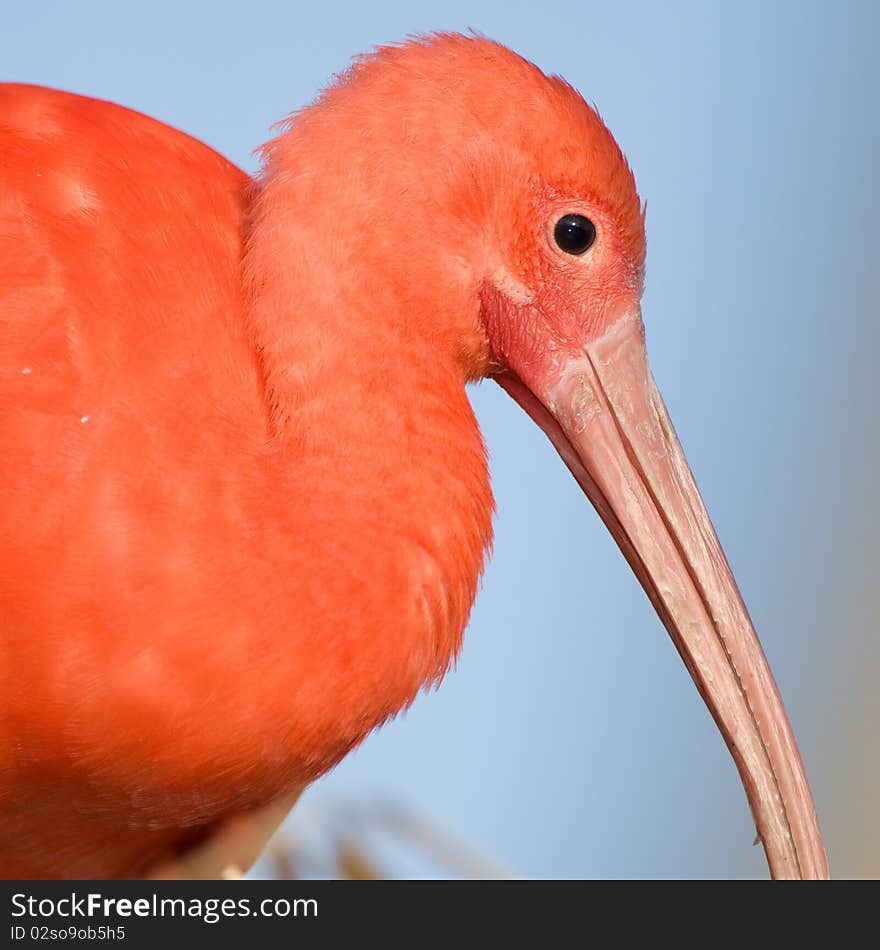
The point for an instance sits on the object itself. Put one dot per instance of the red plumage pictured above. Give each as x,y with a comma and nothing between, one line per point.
245,502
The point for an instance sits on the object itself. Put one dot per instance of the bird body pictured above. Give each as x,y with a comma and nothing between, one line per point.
202,647
245,502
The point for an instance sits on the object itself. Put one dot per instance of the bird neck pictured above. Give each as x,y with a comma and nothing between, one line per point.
375,449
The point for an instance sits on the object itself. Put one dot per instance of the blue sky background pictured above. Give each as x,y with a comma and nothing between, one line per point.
570,741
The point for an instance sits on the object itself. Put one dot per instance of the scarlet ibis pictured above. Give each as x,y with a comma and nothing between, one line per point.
245,500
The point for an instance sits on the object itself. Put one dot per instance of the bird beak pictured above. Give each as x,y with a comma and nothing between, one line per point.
607,420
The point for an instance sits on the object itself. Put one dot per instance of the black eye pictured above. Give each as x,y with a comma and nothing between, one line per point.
574,233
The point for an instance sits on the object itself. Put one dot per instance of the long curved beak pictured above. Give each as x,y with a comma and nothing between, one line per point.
608,422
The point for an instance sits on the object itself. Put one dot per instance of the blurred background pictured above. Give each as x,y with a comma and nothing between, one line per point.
570,741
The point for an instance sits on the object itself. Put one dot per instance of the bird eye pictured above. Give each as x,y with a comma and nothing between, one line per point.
574,234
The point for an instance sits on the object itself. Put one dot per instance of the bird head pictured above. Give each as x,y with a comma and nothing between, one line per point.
515,239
